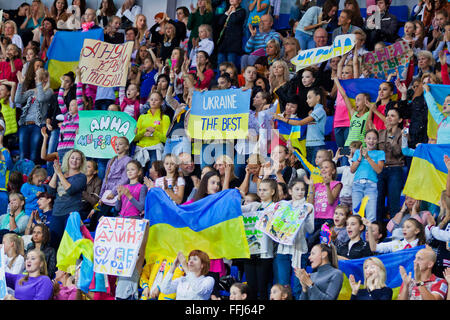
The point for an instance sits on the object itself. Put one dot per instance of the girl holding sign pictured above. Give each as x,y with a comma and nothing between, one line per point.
258,269
290,256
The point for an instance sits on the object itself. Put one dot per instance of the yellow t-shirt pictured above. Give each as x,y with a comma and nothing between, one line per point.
161,126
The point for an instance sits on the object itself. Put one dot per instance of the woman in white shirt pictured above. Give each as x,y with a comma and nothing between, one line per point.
14,253
194,285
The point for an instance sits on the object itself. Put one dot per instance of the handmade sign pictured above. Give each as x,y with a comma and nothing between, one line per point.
283,222
117,244
254,236
219,114
341,45
381,63
99,130
3,287
104,64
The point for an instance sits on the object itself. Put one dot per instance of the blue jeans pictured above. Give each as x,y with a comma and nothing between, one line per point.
390,183
283,273
368,188
311,153
306,41
229,56
30,141
177,145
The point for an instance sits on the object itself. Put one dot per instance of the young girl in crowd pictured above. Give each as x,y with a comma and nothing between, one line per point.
314,171
33,188
355,247
290,256
280,292
367,163
239,291
413,235
151,132
129,101
383,104
70,124
325,195
14,253
347,177
278,168
315,135
131,197
64,286
374,282
172,183
258,268
410,209
116,175
441,117
339,234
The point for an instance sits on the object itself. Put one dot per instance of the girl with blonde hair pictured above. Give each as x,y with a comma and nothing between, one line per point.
14,253
374,282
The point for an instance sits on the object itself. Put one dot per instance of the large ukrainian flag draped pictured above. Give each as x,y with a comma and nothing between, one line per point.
64,52
391,261
213,224
353,87
428,174
439,93
72,246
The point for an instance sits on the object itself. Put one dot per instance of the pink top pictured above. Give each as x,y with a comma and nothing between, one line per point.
66,293
341,116
322,210
128,209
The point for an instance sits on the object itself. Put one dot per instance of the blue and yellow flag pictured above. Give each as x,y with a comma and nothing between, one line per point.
309,167
213,224
296,134
428,173
353,87
64,52
72,246
392,263
439,93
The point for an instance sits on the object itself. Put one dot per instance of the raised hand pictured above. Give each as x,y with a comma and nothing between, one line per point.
354,285
407,278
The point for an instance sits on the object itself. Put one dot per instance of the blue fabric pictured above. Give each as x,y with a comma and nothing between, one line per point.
30,141
365,170
306,41
390,184
370,189
315,135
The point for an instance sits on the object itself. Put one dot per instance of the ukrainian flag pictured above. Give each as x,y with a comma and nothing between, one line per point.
428,174
213,224
296,134
64,52
72,246
439,93
391,261
312,170
353,87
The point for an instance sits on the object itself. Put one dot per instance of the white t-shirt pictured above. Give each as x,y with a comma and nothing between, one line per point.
160,183
18,266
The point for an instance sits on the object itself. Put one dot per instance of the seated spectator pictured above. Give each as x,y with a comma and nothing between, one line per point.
9,30
15,220
41,240
13,253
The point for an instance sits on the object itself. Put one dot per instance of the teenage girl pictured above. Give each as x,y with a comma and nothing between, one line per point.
355,247
258,268
172,182
131,197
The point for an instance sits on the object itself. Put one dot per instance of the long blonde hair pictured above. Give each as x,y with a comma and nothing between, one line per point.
141,33
18,246
274,84
65,161
43,268
381,279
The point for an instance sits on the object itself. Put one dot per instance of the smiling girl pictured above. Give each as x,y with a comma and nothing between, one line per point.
355,247
172,183
131,197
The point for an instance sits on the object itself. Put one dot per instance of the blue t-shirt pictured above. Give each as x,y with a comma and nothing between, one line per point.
147,82
365,170
29,192
315,135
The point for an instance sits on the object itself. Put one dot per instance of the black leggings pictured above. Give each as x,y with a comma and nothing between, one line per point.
258,273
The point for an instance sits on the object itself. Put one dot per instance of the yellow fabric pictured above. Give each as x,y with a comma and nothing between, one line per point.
69,252
149,120
9,114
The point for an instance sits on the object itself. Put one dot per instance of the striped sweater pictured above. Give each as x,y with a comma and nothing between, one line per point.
69,125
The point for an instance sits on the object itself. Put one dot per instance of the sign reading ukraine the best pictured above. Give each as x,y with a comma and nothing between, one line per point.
219,114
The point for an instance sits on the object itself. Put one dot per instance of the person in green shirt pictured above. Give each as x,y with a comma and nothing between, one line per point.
203,14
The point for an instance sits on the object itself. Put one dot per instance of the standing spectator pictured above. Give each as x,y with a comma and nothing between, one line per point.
256,9
425,285
203,43
232,22
58,11
105,12
388,26
353,6
202,14
345,24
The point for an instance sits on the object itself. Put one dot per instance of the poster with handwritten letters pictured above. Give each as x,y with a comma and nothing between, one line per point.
116,245
381,63
99,130
254,236
3,287
283,222
105,64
